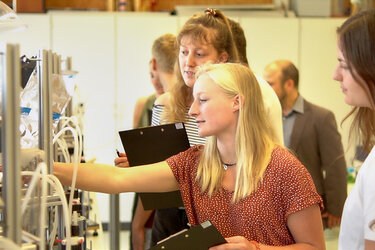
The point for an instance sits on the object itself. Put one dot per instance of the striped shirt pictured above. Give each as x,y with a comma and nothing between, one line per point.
190,125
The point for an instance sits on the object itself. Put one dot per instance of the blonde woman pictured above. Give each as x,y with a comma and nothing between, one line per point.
209,36
204,37
256,193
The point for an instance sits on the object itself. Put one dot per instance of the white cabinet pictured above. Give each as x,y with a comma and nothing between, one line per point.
270,39
136,33
318,60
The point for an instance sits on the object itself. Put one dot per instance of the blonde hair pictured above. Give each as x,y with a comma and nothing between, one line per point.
165,52
254,135
212,27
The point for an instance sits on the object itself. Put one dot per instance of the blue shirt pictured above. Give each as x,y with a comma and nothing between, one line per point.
290,118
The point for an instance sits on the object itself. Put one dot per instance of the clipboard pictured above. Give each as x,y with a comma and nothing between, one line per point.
200,237
154,144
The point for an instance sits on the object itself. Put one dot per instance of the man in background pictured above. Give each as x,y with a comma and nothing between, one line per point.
311,133
161,68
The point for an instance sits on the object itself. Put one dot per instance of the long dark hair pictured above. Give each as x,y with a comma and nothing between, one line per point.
357,43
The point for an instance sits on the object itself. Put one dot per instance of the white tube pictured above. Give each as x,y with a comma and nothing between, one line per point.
54,229
62,131
51,179
43,206
74,120
41,168
64,149
60,191
33,181
75,162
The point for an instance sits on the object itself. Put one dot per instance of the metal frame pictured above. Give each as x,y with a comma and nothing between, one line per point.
45,111
10,141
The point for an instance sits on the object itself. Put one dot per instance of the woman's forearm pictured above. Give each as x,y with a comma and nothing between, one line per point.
90,177
103,178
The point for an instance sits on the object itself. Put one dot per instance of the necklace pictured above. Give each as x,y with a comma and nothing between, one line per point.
226,165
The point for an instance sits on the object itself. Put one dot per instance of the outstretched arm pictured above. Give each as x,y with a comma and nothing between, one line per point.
157,177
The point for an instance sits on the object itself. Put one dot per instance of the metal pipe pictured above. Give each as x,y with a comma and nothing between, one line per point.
56,63
56,66
10,141
44,69
68,63
114,222
45,107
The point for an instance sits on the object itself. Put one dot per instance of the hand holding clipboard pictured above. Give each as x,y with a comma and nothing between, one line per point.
154,144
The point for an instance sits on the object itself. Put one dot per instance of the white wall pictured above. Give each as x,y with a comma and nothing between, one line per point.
111,52
35,37
269,39
318,59
90,40
135,35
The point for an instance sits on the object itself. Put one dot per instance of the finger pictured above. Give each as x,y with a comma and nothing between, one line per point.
336,222
123,165
332,222
120,160
219,247
235,239
231,241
